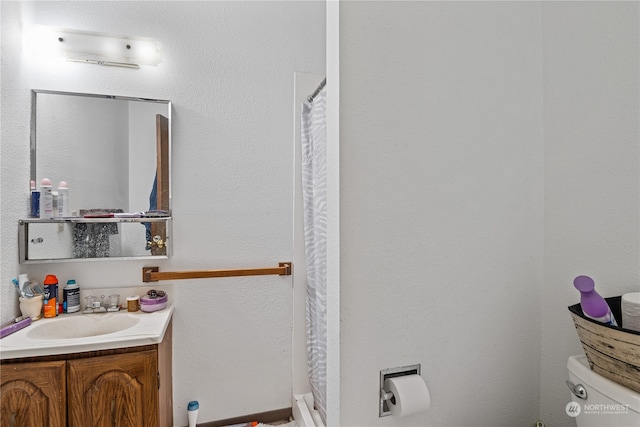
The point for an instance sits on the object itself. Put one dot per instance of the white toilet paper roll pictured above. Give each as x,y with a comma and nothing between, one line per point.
630,307
410,395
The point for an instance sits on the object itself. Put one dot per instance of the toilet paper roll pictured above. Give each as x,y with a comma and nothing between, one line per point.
630,307
410,395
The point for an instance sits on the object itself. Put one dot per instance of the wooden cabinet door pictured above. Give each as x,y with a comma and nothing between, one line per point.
119,390
33,394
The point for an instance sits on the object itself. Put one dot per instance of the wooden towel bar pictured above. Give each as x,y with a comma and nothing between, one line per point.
153,274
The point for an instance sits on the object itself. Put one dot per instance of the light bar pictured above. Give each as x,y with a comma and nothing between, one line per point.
95,48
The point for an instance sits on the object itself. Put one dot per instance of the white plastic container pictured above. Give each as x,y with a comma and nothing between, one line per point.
46,199
63,199
149,304
71,297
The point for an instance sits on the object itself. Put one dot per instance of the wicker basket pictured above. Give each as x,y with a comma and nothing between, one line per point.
613,352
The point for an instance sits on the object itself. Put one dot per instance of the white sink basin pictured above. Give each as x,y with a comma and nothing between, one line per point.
79,332
81,326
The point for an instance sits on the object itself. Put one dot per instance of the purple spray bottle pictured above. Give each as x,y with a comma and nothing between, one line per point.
593,305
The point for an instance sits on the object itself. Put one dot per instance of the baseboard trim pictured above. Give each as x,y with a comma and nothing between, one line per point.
263,417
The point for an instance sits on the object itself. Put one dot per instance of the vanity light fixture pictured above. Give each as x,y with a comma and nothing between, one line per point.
95,48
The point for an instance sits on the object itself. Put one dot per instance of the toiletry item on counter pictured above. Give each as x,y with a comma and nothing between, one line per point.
192,412
46,199
31,307
114,302
63,199
50,296
17,287
133,303
14,326
23,280
593,305
34,200
71,297
630,307
25,286
153,301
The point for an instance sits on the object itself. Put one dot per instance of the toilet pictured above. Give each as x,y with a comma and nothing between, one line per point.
605,402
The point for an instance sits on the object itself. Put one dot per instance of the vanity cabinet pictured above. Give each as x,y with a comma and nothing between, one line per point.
118,390
33,394
127,387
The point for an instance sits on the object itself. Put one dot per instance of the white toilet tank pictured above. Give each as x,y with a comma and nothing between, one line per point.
607,403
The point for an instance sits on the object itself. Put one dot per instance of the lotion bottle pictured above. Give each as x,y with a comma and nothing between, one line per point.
46,199
593,305
63,199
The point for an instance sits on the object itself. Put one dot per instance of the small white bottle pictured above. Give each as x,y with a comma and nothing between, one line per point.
192,412
63,199
46,199
71,297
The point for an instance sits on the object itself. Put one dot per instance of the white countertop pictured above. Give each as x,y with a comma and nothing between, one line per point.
149,329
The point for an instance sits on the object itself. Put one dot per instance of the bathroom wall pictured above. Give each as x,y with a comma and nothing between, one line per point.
591,171
228,69
490,158
441,198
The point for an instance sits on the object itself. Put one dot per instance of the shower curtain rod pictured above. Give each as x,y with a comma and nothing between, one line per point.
317,91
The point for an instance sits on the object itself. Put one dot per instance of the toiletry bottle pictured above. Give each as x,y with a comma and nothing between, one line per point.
33,210
23,282
593,305
46,199
192,412
71,297
63,199
50,296
35,201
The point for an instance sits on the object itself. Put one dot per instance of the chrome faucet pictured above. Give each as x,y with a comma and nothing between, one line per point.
93,305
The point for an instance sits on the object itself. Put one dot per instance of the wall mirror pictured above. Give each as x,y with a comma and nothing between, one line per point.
114,153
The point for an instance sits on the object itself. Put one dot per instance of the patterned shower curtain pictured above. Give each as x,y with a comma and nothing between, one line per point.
314,193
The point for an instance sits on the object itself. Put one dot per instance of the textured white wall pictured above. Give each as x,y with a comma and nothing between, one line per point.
476,139
228,69
591,171
441,207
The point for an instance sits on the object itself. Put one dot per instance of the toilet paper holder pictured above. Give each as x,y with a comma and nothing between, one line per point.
391,373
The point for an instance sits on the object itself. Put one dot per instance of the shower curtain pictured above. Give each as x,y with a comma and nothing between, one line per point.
314,193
